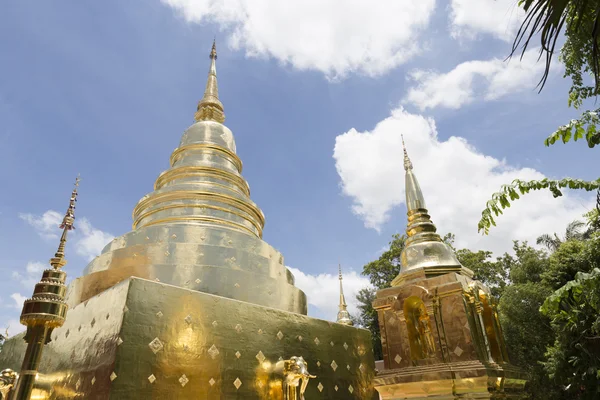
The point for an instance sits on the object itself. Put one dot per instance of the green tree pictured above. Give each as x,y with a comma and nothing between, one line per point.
552,242
382,271
574,357
491,273
368,318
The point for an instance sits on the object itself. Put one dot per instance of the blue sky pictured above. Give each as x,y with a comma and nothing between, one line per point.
316,96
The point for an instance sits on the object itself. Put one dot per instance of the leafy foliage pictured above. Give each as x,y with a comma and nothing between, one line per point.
368,318
574,357
491,273
382,271
580,21
501,200
583,127
553,242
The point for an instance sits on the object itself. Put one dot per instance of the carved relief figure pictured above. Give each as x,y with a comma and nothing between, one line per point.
294,370
422,343
8,379
425,335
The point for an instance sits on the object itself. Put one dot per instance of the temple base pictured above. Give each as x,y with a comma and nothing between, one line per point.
147,340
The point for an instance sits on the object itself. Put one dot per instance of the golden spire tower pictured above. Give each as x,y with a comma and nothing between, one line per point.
210,107
343,317
198,229
46,310
424,250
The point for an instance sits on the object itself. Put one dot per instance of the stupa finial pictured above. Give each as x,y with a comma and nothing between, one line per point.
210,107
58,261
407,164
343,317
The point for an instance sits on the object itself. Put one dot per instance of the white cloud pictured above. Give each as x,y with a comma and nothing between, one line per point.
89,241
456,180
31,275
323,291
330,36
499,18
19,300
92,240
45,225
486,80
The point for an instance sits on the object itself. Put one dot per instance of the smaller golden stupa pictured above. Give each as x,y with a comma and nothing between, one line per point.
440,332
343,316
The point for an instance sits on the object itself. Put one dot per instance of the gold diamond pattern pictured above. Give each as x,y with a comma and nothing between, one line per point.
213,351
113,376
238,354
348,367
119,341
398,359
345,345
260,384
334,365
238,328
318,363
211,381
458,351
237,285
260,331
317,341
279,335
215,324
156,345
320,387
93,380
197,281
183,380
350,389
336,388
237,383
331,343
152,378
188,319
159,314
300,338
260,357
362,368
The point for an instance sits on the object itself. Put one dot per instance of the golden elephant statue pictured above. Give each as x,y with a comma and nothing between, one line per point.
294,370
8,379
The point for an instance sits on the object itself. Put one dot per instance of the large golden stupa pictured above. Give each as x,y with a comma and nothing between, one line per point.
192,303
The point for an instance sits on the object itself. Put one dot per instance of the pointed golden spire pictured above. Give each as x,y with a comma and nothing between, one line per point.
343,317
210,107
46,309
424,248
58,261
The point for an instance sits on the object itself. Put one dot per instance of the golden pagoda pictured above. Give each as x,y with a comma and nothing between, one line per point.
343,316
192,303
440,332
